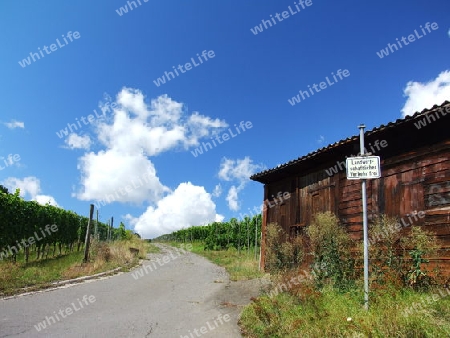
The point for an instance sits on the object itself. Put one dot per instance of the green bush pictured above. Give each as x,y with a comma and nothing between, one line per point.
282,252
399,258
331,248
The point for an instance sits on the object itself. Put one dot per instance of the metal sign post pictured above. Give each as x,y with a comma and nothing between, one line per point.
365,230
362,168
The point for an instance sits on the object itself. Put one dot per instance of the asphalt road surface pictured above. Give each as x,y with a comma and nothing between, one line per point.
173,294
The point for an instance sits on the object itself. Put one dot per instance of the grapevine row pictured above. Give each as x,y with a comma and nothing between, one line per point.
26,225
221,235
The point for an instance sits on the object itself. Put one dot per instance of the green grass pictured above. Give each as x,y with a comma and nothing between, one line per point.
152,248
240,266
326,314
20,277
36,274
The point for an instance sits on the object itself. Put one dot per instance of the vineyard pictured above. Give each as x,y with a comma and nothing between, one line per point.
27,227
241,235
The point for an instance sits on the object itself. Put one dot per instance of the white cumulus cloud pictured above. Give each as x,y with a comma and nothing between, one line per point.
425,95
44,199
187,205
30,187
75,141
238,171
233,198
122,169
116,176
138,131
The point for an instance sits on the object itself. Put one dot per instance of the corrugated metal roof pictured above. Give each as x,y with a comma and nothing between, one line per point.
318,152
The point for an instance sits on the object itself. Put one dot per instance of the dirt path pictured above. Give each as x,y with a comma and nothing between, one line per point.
173,294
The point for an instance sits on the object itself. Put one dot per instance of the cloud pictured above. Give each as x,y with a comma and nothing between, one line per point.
14,124
157,127
44,199
237,171
219,218
217,190
186,206
75,141
240,169
30,187
107,174
425,95
138,131
232,198
122,169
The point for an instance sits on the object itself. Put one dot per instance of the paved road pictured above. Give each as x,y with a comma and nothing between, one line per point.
181,295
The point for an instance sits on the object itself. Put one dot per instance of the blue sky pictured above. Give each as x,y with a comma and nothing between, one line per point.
141,152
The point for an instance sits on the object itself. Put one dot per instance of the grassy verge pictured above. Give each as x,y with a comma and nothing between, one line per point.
240,266
19,277
393,313
152,248
327,301
301,311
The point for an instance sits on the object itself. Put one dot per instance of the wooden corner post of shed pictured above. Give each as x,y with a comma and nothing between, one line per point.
264,229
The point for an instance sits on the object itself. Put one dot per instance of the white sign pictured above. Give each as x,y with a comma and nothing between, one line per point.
363,167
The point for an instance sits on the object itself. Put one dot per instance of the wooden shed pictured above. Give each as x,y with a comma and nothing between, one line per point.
415,169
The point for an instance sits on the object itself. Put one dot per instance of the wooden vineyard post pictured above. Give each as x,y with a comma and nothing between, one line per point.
111,229
88,235
256,236
96,227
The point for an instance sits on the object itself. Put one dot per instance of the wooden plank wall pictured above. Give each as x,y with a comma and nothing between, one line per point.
413,181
